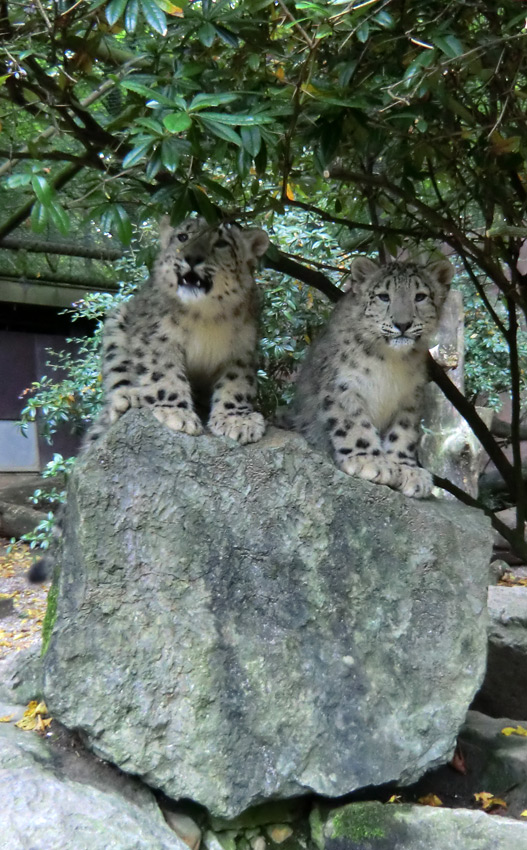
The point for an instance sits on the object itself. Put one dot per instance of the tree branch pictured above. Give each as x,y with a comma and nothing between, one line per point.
469,414
447,228
23,211
516,540
64,249
311,277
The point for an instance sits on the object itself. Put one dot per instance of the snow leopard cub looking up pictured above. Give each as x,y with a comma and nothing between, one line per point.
359,391
186,341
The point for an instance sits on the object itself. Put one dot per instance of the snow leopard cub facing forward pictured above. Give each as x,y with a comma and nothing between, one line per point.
186,341
359,391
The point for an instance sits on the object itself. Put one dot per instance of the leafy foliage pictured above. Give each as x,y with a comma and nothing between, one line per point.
393,124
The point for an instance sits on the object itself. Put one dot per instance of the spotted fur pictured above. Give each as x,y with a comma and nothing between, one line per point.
184,344
359,391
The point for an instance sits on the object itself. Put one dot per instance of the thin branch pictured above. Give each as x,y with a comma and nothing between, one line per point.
477,425
450,232
310,43
483,295
516,541
512,340
359,225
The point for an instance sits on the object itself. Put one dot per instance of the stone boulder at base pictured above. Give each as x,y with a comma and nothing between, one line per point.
373,826
236,624
504,689
56,798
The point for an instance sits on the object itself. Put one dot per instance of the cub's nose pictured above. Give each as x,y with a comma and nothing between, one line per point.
194,259
402,326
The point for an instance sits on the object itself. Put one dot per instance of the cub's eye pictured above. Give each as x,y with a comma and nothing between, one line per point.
421,296
221,243
183,237
383,296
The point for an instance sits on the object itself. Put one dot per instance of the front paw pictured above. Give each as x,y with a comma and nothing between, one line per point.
415,482
244,427
179,419
378,470
121,400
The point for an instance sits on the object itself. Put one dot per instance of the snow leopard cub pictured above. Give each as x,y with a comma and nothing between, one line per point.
359,391
185,343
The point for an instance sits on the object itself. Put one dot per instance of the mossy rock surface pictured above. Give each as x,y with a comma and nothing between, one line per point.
244,624
374,826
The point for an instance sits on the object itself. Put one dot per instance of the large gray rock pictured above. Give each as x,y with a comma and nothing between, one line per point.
242,623
373,826
497,762
21,676
504,690
55,798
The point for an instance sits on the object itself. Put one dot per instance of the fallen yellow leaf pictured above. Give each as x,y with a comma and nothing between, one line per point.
42,724
7,718
523,814
430,800
32,718
395,798
514,730
488,800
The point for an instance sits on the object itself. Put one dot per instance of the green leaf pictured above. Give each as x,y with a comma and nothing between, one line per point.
222,192
251,140
180,207
240,119
42,189
363,32
15,181
122,224
177,122
207,34
204,206
59,217
138,153
450,45
203,100
384,18
151,94
114,10
131,15
227,36
39,217
154,165
221,130
170,154
151,124
155,16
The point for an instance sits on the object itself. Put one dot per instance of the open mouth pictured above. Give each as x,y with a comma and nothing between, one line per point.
194,284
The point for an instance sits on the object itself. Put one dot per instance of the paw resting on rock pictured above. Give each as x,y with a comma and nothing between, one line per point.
179,419
244,427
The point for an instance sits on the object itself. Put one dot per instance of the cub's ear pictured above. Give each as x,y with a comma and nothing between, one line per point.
165,231
256,240
361,269
442,272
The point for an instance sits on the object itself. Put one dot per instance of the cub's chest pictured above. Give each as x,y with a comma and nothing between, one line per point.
387,386
209,342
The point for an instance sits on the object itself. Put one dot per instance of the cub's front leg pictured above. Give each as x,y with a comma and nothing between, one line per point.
164,386
118,367
357,443
232,413
400,445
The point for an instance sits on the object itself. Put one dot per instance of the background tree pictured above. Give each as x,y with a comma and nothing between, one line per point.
395,123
